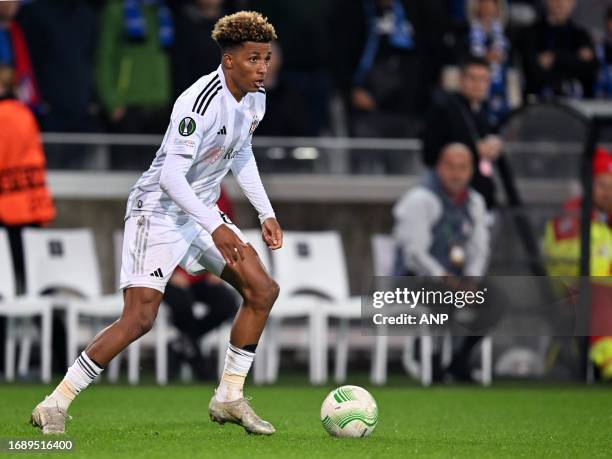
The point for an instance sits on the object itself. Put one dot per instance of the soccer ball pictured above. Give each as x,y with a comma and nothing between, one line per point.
349,411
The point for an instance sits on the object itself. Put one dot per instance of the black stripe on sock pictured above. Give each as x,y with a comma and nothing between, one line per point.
88,365
238,351
215,78
96,363
250,348
96,371
84,368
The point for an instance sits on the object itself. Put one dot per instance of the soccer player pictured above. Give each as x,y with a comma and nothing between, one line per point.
172,219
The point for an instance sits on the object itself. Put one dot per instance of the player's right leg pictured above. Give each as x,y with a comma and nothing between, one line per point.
152,249
139,312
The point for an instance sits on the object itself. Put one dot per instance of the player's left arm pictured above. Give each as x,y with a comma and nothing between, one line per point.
245,170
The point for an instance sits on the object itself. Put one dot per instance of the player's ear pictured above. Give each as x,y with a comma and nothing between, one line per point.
228,60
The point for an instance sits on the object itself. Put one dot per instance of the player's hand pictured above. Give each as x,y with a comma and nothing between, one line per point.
229,244
272,233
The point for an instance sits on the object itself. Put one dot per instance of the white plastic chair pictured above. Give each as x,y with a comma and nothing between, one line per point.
311,272
383,248
383,255
16,308
66,259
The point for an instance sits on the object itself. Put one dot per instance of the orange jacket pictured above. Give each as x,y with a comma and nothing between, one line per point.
24,196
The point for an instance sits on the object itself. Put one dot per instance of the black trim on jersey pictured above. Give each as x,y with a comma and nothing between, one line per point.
214,90
215,78
210,100
263,91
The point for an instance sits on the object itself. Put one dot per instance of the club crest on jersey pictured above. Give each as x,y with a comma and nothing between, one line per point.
187,126
254,125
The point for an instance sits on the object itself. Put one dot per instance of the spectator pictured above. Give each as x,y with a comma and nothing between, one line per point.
195,53
603,88
463,117
14,53
24,197
183,292
484,36
286,108
440,225
562,250
386,55
133,71
304,35
441,230
558,55
61,35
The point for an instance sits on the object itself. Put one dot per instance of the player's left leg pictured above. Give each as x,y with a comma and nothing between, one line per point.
259,292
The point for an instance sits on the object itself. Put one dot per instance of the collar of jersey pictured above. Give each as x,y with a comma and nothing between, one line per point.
229,97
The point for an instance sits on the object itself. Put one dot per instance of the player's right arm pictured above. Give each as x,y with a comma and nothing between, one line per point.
187,129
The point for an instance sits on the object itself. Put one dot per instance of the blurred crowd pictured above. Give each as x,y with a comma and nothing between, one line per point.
446,71
118,65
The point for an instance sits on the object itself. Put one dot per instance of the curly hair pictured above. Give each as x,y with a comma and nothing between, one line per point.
235,29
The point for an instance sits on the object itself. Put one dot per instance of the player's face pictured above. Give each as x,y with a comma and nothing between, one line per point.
455,169
602,192
249,65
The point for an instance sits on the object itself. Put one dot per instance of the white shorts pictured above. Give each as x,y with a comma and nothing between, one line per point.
154,245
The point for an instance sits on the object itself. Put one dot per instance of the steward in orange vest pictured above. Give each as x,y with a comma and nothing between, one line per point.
24,196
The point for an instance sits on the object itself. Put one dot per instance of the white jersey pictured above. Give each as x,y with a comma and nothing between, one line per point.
211,128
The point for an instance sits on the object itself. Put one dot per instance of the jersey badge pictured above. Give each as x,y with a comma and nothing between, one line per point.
187,126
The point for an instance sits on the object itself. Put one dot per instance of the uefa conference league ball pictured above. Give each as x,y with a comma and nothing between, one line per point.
349,411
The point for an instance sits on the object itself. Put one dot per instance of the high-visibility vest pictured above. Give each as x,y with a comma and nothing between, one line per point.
562,246
24,196
562,251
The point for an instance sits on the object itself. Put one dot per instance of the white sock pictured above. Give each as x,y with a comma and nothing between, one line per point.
237,365
80,375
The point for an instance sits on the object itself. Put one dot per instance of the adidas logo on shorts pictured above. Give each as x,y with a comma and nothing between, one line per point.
222,131
157,273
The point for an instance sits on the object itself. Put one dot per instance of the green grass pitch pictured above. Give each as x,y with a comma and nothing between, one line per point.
172,422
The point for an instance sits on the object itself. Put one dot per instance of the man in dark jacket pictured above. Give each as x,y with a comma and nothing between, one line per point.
463,118
558,55
388,54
